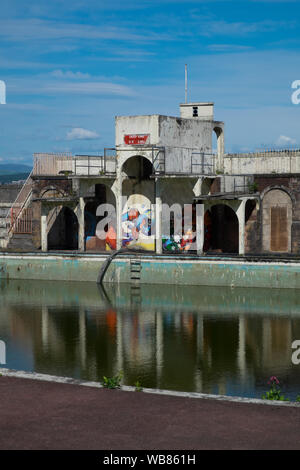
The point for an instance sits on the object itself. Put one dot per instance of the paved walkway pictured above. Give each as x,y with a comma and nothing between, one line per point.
45,415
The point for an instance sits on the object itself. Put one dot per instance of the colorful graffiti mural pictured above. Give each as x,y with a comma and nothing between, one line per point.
138,227
183,241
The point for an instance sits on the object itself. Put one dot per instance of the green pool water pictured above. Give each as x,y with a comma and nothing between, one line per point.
203,339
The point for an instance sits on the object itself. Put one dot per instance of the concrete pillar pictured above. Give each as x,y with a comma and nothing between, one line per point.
199,228
221,151
158,218
241,218
80,217
44,237
220,148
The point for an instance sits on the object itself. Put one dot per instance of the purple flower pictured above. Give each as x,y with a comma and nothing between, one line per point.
273,380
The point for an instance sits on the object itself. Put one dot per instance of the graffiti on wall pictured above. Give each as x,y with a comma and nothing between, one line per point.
181,237
138,224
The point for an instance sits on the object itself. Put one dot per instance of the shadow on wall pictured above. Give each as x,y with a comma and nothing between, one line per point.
63,235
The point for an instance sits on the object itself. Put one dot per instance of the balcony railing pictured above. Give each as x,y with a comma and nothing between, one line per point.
95,165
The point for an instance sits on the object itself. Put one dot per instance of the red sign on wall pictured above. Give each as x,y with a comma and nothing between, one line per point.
136,139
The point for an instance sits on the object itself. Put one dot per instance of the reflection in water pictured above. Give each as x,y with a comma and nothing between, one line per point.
204,339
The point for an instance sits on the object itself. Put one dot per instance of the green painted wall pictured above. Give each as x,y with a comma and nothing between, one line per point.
154,270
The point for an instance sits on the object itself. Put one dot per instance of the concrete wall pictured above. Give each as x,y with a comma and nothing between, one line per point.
9,192
127,125
180,137
263,163
159,270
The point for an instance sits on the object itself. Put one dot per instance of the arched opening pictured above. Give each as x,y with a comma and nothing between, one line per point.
223,230
138,218
95,239
63,234
52,192
138,167
277,221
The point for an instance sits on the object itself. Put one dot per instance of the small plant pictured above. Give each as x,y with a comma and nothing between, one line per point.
298,398
112,382
138,386
274,393
219,172
253,187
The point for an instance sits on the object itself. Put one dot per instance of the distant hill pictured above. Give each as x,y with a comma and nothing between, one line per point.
5,179
13,168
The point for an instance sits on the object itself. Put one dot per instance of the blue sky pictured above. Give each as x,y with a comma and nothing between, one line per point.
71,66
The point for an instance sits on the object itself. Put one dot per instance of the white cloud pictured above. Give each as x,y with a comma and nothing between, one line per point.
88,88
220,27
69,74
37,29
228,48
41,86
284,140
78,133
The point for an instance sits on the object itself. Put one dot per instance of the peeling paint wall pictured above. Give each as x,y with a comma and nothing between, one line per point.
154,270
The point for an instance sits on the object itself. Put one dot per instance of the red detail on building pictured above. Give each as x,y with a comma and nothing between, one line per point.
136,139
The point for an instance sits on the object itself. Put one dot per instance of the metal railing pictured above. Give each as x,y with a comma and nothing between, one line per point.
203,163
158,156
21,222
171,160
95,165
22,200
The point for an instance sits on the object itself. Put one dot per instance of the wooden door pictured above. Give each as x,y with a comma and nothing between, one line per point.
279,232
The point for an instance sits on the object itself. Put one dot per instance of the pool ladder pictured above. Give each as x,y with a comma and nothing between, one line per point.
135,269
135,277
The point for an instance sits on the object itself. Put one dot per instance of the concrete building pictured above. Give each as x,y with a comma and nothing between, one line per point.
232,203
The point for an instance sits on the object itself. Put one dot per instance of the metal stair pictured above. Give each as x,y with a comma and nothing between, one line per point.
135,269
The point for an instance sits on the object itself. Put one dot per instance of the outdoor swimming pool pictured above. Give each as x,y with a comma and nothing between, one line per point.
203,339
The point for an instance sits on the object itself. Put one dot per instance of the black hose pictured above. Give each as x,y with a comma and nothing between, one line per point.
107,262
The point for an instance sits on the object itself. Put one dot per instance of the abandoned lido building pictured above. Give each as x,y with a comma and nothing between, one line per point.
247,203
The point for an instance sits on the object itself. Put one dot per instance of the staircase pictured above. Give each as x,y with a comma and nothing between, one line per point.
135,277
16,225
135,269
